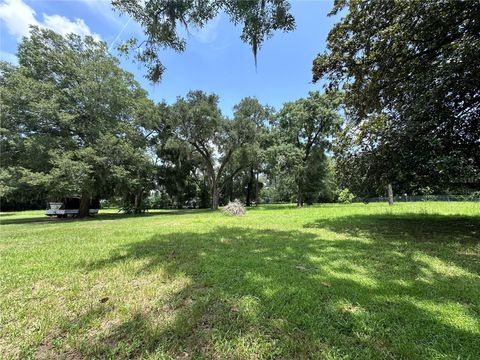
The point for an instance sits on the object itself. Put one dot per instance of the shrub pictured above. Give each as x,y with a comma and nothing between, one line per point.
427,193
345,196
128,208
234,208
475,196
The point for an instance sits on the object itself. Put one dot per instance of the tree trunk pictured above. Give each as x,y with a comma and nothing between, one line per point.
299,194
135,204
390,194
215,196
256,189
178,202
84,209
138,202
249,191
300,200
249,188
299,197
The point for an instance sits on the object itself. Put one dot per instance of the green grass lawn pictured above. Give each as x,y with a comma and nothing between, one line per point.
328,282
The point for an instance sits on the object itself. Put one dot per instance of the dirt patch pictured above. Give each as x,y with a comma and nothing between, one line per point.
50,348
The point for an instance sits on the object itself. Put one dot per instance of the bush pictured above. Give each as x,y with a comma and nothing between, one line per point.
129,209
475,196
345,196
427,193
158,200
234,208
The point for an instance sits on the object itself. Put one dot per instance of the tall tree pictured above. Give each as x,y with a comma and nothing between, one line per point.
161,19
178,170
251,111
218,141
61,105
305,127
410,69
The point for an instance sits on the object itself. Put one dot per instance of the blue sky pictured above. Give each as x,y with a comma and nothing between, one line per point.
215,60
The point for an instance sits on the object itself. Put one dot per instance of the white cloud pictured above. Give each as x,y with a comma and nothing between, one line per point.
64,26
18,16
209,33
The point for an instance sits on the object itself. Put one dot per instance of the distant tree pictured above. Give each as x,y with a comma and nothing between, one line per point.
283,163
305,128
329,188
409,70
251,111
161,19
199,123
315,186
364,160
132,172
178,170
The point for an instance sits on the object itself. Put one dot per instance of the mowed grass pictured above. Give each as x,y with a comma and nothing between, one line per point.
330,282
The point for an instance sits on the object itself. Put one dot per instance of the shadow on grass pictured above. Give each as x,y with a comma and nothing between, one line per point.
407,226
290,206
272,207
257,293
29,220
43,219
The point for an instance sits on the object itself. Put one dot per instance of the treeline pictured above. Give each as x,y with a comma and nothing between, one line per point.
75,124
401,111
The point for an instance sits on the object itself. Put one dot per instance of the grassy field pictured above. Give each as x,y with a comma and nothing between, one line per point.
329,282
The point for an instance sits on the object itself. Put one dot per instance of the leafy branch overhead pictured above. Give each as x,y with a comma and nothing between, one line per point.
410,74
161,21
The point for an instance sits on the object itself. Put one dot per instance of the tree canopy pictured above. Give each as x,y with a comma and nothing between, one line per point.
409,70
69,120
401,110
304,129
199,123
75,124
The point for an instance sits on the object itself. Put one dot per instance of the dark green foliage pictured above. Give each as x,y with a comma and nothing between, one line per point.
218,148
177,173
71,122
410,74
315,183
304,129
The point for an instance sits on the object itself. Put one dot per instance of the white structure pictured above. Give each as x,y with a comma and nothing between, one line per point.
69,206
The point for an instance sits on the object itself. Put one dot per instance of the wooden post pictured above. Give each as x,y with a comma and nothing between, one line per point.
390,194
